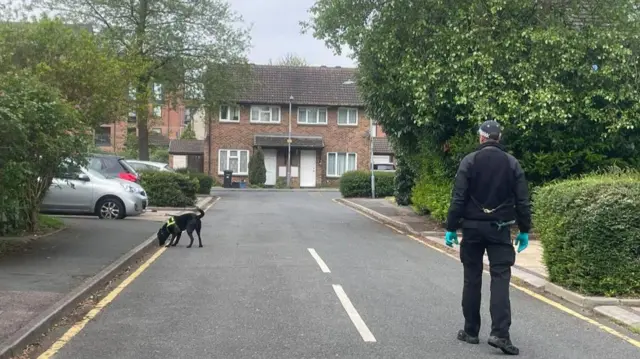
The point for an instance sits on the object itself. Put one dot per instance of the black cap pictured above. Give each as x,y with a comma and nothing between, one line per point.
491,130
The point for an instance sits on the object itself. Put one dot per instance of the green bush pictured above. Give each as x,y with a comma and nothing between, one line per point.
206,182
257,170
590,232
358,184
432,196
403,183
168,189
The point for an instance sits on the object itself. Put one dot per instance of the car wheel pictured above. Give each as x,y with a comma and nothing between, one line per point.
111,208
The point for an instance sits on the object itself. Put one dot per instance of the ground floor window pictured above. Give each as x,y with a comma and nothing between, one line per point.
340,162
234,160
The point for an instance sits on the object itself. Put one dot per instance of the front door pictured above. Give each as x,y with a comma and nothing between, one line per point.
271,165
307,168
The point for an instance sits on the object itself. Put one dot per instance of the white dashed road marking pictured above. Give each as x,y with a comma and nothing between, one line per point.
362,328
321,263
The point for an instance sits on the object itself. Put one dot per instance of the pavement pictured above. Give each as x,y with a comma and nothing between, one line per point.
32,281
296,275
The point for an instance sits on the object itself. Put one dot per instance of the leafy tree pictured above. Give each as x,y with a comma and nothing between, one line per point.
188,133
86,70
290,60
168,43
39,132
431,71
257,169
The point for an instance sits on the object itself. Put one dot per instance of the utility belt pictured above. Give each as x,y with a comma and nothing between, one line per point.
499,224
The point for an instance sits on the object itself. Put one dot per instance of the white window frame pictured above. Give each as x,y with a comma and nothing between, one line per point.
157,111
318,110
228,151
348,110
157,92
334,174
236,109
261,110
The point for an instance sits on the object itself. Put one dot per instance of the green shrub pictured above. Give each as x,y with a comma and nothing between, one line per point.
168,189
257,170
205,182
281,183
385,183
432,196
403,183
590,232
358,184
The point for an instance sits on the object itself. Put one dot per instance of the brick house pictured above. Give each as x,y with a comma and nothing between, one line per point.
329,129
166,122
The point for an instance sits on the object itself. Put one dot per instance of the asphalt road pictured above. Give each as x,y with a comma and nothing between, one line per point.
256,291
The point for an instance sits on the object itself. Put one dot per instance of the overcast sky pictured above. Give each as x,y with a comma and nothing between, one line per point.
276,32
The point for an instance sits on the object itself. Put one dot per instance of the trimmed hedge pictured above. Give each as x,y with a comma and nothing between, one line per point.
169,189
432,197
206,182
403,183
358,184
590,232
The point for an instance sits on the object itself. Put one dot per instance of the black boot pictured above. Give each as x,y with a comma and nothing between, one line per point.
463,336
504,344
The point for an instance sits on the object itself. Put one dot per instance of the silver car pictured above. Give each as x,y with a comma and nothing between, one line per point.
85,191
141,166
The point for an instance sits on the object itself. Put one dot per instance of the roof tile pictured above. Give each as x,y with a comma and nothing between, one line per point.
309,85
186,147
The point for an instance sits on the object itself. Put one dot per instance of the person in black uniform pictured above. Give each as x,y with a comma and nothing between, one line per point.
489,195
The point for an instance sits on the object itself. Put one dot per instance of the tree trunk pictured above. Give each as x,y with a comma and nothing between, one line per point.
142,116
142,97
209,139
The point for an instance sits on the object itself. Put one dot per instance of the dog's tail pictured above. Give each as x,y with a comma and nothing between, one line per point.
201,212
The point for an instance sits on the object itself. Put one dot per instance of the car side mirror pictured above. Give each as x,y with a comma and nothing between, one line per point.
83,177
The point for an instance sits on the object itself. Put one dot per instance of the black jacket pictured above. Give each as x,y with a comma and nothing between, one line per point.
492,179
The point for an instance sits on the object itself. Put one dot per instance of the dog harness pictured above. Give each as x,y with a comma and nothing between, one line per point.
170,222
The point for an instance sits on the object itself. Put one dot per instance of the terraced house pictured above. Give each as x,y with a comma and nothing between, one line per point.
330,133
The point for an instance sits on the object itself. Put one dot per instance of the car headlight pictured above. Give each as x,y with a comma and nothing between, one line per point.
128,188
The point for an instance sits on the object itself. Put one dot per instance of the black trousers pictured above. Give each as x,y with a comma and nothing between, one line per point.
476,238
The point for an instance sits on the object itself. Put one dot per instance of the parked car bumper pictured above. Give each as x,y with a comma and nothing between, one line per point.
134,204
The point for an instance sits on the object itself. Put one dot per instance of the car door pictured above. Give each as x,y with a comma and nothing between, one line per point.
69,194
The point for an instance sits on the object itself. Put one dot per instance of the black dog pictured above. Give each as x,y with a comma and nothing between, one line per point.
176,225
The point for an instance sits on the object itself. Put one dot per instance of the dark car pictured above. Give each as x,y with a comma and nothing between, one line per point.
113,166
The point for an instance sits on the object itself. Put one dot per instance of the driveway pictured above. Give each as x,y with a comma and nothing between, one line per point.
32,281
295,275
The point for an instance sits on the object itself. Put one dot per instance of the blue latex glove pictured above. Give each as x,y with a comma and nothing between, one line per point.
522,241
450,238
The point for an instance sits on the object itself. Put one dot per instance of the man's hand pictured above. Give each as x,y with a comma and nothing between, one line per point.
451,238
522,241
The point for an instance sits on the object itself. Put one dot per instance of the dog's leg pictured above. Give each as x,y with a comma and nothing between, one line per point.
198,228
170,240
177,239
190,234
